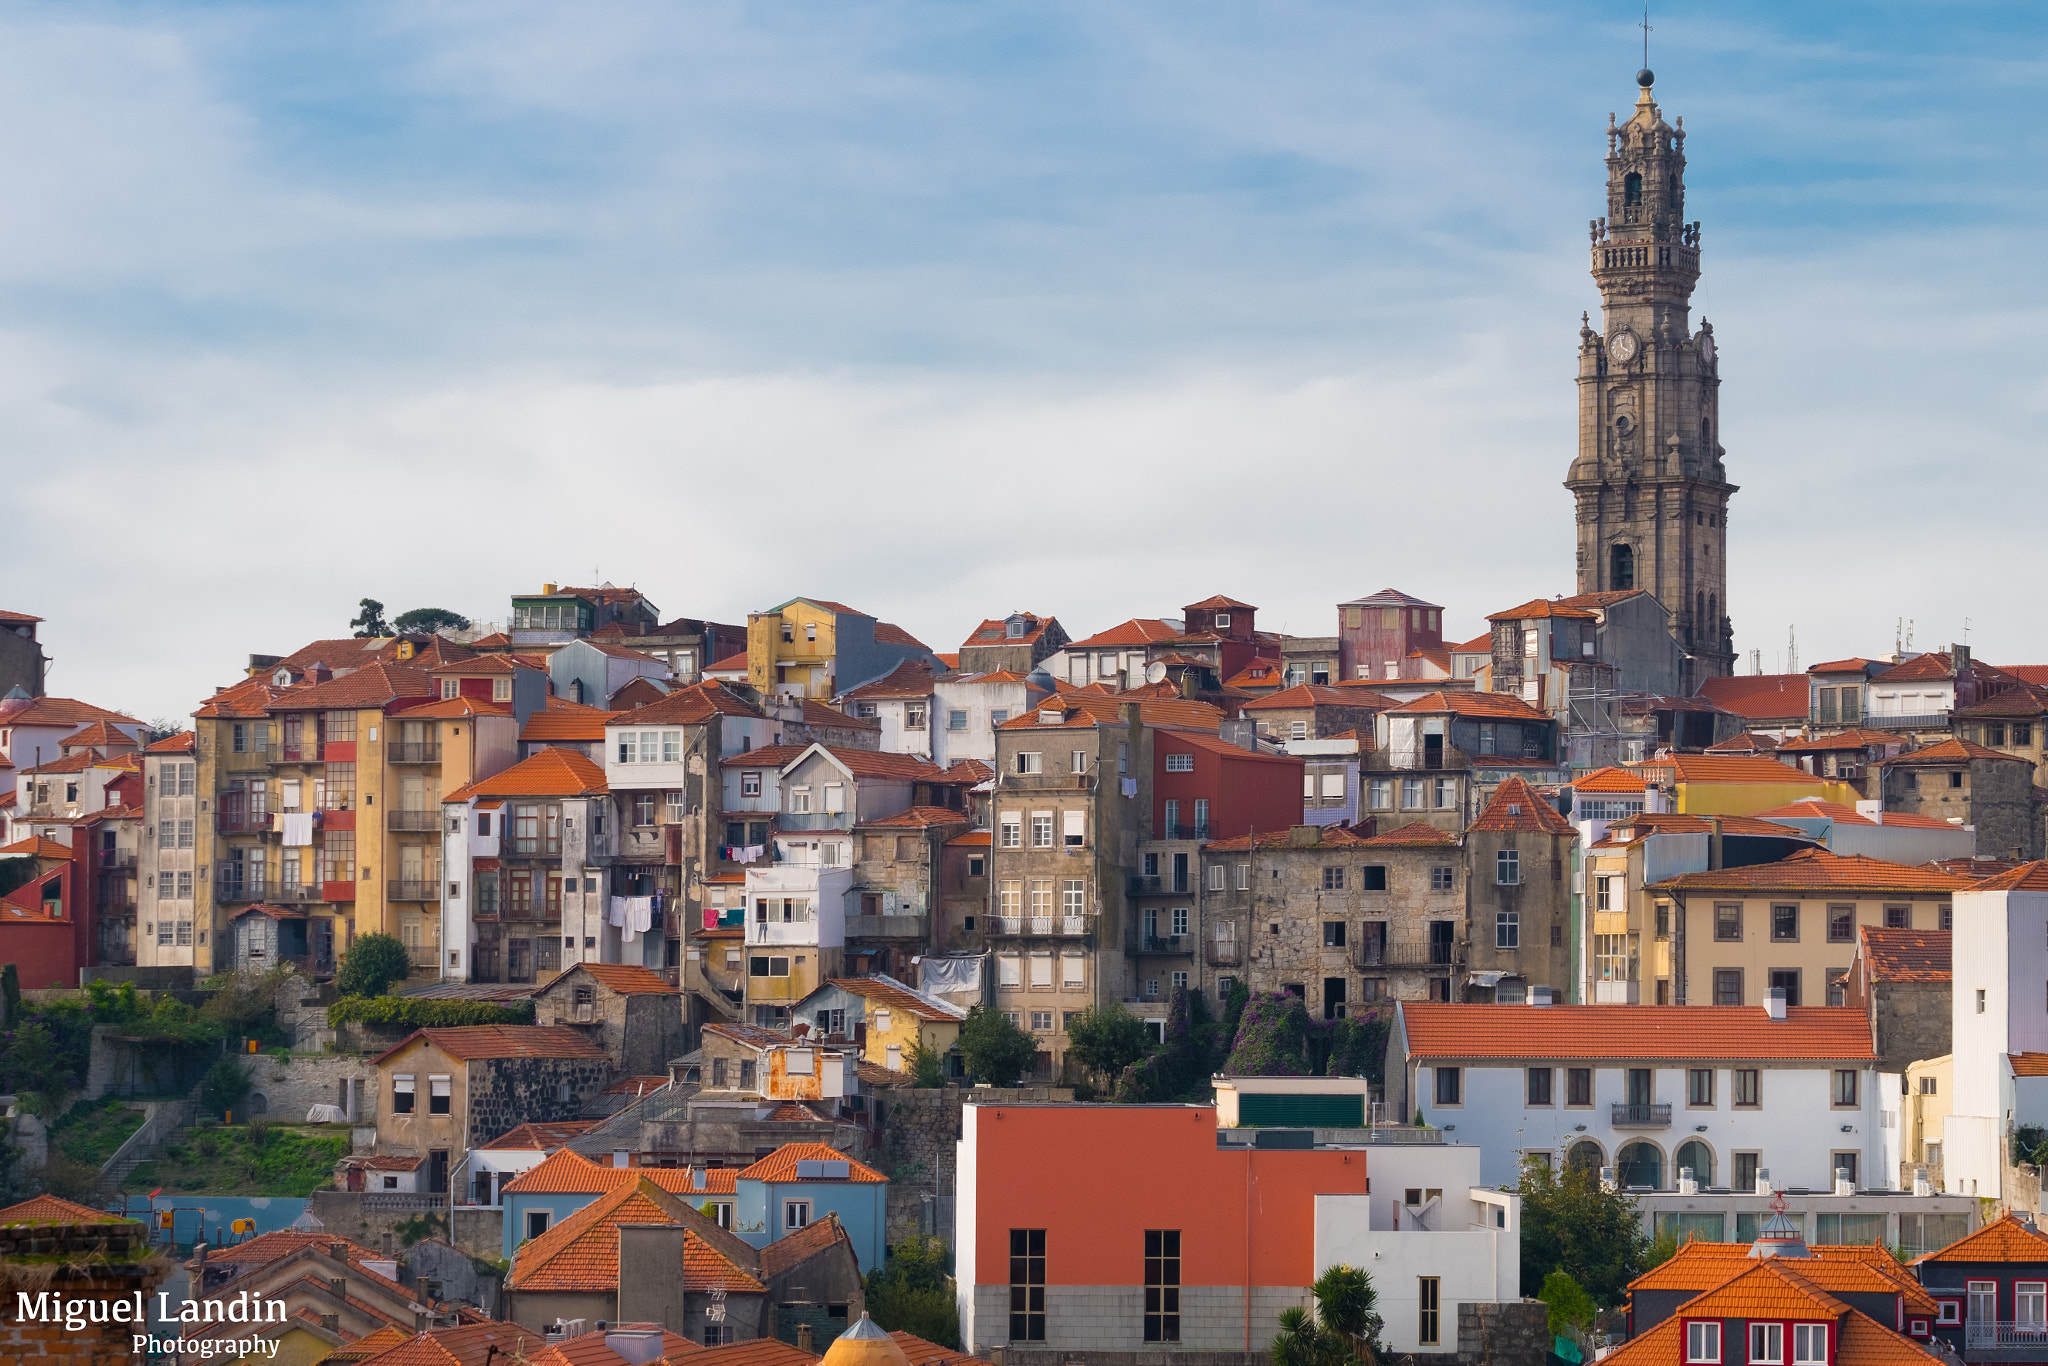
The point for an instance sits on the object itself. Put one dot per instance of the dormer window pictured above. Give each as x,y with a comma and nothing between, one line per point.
1767,1344
1702,1340
1223,621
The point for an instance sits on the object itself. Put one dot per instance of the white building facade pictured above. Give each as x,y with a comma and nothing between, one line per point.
1999,1028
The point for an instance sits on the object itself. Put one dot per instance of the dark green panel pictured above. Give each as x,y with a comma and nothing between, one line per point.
1302,1111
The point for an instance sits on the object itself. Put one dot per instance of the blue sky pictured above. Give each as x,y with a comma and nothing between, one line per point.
949,309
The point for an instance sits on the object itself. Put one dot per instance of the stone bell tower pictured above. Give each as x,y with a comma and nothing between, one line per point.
1652,494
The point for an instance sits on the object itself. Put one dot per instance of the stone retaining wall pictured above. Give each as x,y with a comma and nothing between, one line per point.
918,1137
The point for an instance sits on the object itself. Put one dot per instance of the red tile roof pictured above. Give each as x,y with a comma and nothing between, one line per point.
1820,870
1953,751
1492,704
539,1135
730,664
1906,955
1674,823
1936,664
795,1249
2004,1239
566,1171
887,992
469,1043
911,678
582,1252
1855,664
754,1352
1760,697
1437,1030
1517,807
816,713
1538,608
1414,835
979,838
19,618
2027,877
455,709
477,666
995,630
55,1209
1137,631
780,1165
1609,780
1748,742
2027,702
918,817
628,979
180,743
2029,1064
767,756
1327,837
374,685
1700,1266
583,725
1734,768
98,733
554,772
920,1352
35,846
1853,738
590,1349
1313,695
470,1344
1093,709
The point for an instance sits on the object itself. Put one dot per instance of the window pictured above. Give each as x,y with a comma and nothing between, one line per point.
956,719
1898,917
1507,868
1785,924
1727,986
1766,1343
913,716
1041,830
1162,1285
1244,876
1180,922
438,1095
1075,833
1810,1342
1746,1167
1411,794
1841,924
1012,828
1429,1307
537,1221
1507,929
402,1095
1333,879
1180,763
1578,1086
799,800
796,1214
1540,1079
1842,1166
1728,923
1845,1086
1041,1020
1449,1086
1027,1285
1375,877
643,808
1442,878
750,784
1074,896
1747,1087
1446,793
2030,1305
1945,918
1215,876
1702,1336
1699,1086
1663,920
1602,898
1379,794
1980,1000
1030,761
1333,934
1297,730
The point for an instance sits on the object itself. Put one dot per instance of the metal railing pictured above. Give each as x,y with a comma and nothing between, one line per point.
396,819
296,754
117,859
411,889
1147,885
1224,953
413,751
1640,1115
239,889
1417,955
1139,942
1054,925
1937,720
1184,832
242,822
1983,1333
293,891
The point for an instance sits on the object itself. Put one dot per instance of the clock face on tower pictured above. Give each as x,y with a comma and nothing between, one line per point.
1623,346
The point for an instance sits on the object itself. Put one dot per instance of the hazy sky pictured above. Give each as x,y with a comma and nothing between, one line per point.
948,309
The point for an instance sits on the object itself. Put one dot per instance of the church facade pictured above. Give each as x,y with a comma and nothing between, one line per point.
1651,489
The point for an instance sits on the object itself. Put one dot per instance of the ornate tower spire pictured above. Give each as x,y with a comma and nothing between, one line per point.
1651,490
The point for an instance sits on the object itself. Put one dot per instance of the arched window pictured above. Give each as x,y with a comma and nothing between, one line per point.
1700,609
1707,438
1700,1158
1640,1163
1585,1155
1714,613
1621,568
1632,188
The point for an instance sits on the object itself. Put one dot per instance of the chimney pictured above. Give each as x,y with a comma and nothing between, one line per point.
547,590
1959,655
1304,836
1715,849
1774,1003
803,1337
1130,712
331,1322
636,1345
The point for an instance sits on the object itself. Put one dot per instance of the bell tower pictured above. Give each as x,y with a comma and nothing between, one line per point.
1651,490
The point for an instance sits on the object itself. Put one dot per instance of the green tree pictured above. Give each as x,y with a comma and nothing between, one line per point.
1272,1038
911,1292
993,1049
1344,1330
16,873
1572,1310
926,1066
371,965
370,623
428,620
1570,1224
1181,1069
1108,1039
10,987
225,1084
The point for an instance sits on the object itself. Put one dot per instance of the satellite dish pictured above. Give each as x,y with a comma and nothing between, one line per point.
1155,672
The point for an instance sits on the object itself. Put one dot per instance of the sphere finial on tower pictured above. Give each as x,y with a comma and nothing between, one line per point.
1646,78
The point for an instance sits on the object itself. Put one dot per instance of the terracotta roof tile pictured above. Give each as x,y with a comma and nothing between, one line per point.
1853,738
590,1349
1094,709
1517,807
1760,697
1312,695
1817,868
794,1249
1609,779
995,631
59,711
1327,837
1494,704
921,1352
374,685
816,713
554,772
19,618
767,756
1936,664
1414,835
55,1209
2005,1239
969,771
690,706
1735,768
1748,742
889,633
468,1345
886,991
566,1171
469,1043
780,1165
1538,608
582,1252
755,1352
1907,955
2027,877
2029,1064
1389,597
454,709
917,818
973,838
1702,1266
1855,664
35,846
1137,631
539,1135
628,979
1953,751
1629,828
580,726
1437,1030
730,664
2025,703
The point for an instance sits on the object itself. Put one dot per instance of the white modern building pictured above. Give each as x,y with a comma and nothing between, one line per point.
2000,1026
1736,1094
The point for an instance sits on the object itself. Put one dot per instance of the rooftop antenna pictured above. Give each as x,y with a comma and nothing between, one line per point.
1791,649
1646,35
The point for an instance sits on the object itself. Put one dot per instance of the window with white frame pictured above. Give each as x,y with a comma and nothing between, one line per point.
1180,922
1215,876
1180,763
1507,868
1041,830
1810,1342
1075,833
1078,761
1030,761
1244,876
1073,896
750,784
1766,1344
1333,786
1011,831
1379,794
799,800
1702,1340
956,719
1507,929
796,1214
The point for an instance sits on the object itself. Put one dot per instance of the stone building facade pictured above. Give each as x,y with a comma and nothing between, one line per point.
629,1011
22,662
1519,852
1904,980
1971,784
1651,489
1339,919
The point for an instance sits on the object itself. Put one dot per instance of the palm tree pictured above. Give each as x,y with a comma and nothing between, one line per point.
1344,1331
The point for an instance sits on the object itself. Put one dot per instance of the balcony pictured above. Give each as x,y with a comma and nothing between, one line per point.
1138,942
1918,721
813,820
422,955
427,821
1440,954
1627,1114
1988,1336
117,860
1143,884
1046,782
240,889
1184,832
296,754
245,760
413,752
242,822
120,905
288,893
885,927
1042,926
411,889
1224,953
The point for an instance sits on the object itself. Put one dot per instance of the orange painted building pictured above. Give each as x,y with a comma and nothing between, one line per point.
1128,1227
